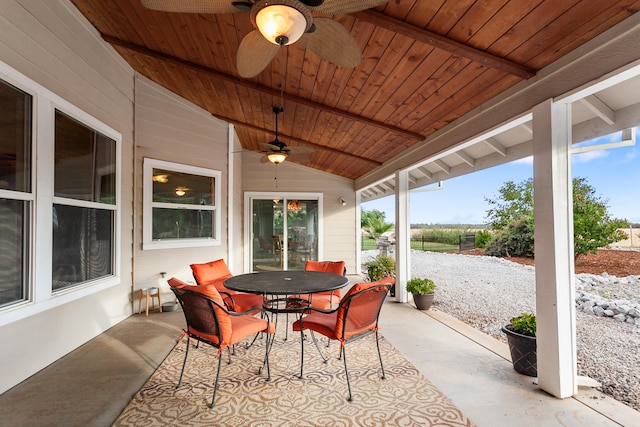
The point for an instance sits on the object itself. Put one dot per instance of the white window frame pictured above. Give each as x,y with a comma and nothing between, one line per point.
40,294
148,204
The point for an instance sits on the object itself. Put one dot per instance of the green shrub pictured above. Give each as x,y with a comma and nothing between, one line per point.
515,240
525,324
420,286
482,238
380,267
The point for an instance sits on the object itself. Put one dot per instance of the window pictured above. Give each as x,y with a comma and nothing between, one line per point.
16,197
181,205
59,233
84,203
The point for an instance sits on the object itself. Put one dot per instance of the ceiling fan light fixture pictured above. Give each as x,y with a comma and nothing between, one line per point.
276,158
282,22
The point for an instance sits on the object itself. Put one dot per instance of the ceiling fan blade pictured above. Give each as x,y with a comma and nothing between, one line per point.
299,149
268,147
332,41
301,158
341,7
193,6
254,54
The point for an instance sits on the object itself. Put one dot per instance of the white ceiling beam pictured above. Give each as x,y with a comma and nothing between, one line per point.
422,171
465,158
527,127
627,117
599,108
442,166
496,146
386,186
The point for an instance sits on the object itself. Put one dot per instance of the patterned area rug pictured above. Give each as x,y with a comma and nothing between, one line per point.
245,398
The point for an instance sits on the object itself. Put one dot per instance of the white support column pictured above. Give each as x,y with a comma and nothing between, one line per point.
403,226
555,287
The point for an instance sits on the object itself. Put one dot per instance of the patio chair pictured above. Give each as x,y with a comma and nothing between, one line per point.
209,322
355,317
214,273
324,300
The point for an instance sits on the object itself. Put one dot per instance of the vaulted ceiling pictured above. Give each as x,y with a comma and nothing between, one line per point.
425,64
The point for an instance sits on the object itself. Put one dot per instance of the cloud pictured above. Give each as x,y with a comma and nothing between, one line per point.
588,156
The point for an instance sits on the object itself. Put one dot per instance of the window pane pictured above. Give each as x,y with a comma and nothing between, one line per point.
182,224
14,237
82,245
15,139
85,162
183,188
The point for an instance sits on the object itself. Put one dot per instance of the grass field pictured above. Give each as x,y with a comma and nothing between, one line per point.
370,244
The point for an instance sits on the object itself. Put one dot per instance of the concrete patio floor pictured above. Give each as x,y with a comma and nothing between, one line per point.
91,386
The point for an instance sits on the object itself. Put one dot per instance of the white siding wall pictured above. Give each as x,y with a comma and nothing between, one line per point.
52,44
339,237
172,129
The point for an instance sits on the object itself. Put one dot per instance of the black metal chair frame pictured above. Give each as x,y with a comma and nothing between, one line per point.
381,293
208,306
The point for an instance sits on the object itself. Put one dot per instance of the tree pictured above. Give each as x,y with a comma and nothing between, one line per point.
515,202
374,224
593,227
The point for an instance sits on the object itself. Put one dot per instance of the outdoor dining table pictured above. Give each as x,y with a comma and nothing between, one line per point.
278,286
279,290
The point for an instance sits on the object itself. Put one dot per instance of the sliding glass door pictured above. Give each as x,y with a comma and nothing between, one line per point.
284,231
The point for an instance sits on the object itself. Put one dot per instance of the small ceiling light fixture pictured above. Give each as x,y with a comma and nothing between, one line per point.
276,158
181,191
282,22
163,179
343,202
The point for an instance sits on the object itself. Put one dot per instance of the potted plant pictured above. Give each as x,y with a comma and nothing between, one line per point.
521,336
379,268
422,290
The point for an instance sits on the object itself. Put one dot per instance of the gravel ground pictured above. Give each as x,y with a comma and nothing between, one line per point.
486,292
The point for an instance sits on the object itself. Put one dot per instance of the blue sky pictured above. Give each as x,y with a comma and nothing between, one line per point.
614,173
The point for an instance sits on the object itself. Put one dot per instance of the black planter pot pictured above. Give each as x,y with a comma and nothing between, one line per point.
424,301
523,352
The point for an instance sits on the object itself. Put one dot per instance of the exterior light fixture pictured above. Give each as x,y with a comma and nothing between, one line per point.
282,22
276,158
342,201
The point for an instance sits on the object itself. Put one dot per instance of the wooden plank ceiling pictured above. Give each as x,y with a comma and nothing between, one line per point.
425,63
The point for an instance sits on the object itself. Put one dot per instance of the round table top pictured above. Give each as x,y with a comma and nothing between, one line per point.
286,282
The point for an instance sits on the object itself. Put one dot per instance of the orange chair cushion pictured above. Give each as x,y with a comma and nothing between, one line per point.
241,327
330,325
214,271
335,267
245,302
321,323
177,283
224,319
341,313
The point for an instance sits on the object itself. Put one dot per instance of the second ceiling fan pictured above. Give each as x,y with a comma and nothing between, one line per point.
282,22
277,151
